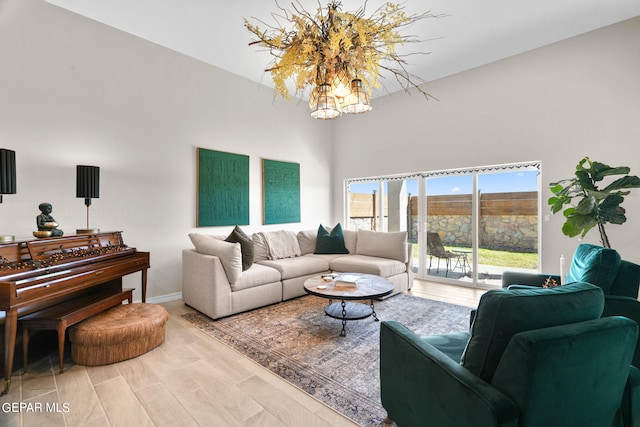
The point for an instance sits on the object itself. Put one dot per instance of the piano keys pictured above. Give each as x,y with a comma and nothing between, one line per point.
37,274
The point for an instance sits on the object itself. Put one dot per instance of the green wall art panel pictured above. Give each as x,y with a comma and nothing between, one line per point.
281,191
223,188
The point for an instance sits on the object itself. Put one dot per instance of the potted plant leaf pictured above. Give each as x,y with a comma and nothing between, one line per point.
589,205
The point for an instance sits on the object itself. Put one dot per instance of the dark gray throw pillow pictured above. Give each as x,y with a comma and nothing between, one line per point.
246,246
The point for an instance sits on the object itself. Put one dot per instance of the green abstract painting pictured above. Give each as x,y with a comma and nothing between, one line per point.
223,188
281,192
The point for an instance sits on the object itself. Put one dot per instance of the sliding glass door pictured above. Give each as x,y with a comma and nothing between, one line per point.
480,222
363,205
385,205
466,226
449,232
508,223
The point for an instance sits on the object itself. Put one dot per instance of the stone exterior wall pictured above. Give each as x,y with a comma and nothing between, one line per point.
516,233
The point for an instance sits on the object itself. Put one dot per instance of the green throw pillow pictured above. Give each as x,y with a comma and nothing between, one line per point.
246,246
330,243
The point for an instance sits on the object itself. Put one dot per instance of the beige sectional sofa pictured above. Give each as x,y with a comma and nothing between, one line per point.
214,282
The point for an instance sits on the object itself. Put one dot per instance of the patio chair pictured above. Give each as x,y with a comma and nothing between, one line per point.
435,248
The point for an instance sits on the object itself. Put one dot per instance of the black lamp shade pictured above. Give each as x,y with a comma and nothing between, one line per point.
7,171
87,182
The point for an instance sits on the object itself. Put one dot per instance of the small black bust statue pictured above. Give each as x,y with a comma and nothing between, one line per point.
46,222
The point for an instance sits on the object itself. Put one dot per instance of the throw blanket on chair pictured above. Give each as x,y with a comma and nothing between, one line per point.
281,244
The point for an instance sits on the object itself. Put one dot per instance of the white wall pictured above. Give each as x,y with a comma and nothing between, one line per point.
579,97
73,91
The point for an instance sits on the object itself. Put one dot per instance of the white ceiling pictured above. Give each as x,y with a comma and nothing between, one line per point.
473,33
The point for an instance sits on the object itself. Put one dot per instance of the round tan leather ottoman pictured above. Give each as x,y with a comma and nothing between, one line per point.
120,333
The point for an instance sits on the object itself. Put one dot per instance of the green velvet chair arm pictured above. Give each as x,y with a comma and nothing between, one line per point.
523,278
630,409
409,370
615,305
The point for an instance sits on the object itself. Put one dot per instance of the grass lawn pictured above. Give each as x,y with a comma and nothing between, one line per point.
498,258
507,259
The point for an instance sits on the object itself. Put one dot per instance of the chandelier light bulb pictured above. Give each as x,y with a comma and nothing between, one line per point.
340,85
358,101
325,106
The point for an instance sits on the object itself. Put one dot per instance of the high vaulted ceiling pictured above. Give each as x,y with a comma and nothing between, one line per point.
472,33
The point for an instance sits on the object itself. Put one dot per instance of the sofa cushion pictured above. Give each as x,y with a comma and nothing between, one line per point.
229,253
452,344
307,241
246,246
327,257
502,313
350,240
391,245
594,264
383,267
257,275
298,266
330,242
260,248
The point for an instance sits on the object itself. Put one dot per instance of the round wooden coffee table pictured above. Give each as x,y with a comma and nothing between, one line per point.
367,287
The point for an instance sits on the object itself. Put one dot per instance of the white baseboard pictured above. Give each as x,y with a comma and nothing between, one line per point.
164,298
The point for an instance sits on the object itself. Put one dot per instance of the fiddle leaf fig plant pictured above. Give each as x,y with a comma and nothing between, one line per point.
587,204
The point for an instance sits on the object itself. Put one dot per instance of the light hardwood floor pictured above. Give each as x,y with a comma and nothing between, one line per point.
454,294
190,380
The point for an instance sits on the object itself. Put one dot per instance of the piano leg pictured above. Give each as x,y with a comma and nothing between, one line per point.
10,331
144,285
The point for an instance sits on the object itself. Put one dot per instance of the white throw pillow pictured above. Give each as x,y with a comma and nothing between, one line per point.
230,254
392,245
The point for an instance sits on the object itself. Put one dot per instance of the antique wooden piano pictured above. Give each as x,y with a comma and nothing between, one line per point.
36,274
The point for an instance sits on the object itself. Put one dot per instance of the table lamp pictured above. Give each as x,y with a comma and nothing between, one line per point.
7,179
87,187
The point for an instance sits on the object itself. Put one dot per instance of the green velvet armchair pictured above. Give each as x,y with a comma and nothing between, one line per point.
533,357
603,267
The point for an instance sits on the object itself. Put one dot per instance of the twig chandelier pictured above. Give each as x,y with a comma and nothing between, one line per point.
338,55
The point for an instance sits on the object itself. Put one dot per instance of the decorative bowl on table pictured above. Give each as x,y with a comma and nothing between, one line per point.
42,233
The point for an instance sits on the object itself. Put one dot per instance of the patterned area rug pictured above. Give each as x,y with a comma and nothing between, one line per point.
296,341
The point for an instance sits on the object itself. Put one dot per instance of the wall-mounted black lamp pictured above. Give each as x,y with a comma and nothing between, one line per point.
7,179
87,187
